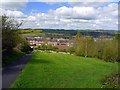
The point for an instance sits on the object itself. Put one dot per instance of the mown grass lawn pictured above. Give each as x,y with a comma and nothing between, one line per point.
50,70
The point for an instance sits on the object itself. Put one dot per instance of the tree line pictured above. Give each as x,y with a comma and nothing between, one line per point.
102,48
94,33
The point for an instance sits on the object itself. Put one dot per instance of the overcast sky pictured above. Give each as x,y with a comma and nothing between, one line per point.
63,15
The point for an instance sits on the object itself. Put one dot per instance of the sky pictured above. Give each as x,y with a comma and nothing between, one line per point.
63,14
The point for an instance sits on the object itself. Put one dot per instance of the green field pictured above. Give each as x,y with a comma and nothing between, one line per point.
52,70
30,34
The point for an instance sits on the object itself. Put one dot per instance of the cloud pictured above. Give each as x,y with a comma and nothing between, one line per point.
88,4
11,13
4,1
76,18
75,12
109,12
74,0
83,15
13,4
31,18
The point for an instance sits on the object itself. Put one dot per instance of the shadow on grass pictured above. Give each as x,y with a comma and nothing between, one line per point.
42,61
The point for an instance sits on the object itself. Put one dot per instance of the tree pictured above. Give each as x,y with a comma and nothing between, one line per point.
9,23
103,48
71,50
80,47
25,47
89,45
10,38
77,36
76,40
110,51
84,46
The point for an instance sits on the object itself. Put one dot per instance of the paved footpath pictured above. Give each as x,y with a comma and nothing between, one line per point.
10,72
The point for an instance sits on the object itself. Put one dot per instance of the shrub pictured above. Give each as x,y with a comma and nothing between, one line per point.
46,47
106,49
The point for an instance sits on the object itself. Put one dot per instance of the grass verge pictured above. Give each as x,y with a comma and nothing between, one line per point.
52,70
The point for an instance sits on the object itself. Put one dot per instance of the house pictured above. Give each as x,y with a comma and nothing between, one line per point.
57,42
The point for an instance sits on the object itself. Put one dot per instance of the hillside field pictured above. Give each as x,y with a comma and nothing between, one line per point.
53,70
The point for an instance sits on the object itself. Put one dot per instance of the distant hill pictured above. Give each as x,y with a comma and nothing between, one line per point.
94,33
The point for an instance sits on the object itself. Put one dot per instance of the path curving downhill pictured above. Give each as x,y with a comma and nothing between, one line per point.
10,72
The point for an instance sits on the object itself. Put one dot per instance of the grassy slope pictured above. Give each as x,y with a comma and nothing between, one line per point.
48,70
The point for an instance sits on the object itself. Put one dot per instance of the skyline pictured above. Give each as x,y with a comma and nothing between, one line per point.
64,15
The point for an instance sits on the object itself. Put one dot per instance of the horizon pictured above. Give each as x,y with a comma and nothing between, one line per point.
66,29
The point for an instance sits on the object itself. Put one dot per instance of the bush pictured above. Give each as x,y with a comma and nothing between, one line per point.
25,47
8,58
10,38
71,50
106,49
46,47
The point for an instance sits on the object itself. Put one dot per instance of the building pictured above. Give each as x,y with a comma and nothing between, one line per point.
57,42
